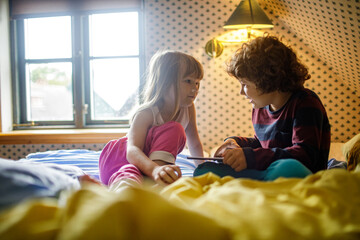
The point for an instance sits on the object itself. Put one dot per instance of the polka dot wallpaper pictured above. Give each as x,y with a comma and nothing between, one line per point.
324,34
17,151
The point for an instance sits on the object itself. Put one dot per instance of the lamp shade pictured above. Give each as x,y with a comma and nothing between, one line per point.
248,14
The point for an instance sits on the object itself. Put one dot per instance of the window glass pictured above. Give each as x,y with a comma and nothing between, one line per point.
114,34
115,84
114,68
49,88
48,37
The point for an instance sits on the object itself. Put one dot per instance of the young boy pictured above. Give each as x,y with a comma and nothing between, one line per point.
292,130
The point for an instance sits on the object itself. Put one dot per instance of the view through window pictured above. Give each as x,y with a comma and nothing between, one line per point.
48,82
67,61
114,79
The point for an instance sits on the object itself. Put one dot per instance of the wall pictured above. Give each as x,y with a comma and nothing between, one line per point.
313,29
5,69
187,26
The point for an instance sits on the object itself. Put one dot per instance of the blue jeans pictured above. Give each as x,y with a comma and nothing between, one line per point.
288,168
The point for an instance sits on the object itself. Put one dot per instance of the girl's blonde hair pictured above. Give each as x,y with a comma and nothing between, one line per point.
167,68
353,156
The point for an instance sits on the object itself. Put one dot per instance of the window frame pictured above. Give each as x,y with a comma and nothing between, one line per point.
80,60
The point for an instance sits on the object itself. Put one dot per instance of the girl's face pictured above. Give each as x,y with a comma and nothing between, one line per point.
189,89
255,96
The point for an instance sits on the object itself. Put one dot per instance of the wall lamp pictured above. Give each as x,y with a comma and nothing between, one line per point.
247,16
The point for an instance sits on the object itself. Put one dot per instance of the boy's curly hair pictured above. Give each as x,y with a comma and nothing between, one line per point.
269,64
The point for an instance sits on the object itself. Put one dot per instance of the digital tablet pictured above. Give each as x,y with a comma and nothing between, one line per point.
218,159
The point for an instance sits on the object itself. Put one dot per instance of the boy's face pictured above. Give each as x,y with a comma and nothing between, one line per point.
255,96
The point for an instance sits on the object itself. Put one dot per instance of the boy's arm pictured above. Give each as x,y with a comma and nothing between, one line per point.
246,142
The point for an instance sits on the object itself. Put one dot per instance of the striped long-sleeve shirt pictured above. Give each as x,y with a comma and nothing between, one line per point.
299,130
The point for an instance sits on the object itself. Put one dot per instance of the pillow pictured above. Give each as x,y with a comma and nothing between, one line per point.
24,180
349,144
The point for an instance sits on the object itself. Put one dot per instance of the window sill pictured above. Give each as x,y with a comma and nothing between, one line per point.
61,136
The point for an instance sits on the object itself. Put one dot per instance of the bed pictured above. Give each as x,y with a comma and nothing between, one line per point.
325,205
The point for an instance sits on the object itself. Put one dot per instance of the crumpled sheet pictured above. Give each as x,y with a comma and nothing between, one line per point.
95,213
325,205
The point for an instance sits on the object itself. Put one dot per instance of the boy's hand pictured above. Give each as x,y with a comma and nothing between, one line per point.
235,158
233,155
228,144
166,174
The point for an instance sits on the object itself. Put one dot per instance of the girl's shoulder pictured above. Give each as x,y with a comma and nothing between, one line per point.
144,111
145,115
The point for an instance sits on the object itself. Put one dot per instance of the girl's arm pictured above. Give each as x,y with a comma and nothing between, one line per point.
192,135
136,141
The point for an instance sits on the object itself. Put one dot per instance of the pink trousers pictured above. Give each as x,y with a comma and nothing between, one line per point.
162,142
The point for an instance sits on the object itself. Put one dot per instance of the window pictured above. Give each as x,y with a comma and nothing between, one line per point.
76,70
47,82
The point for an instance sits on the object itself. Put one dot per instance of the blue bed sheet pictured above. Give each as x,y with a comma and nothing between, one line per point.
87,160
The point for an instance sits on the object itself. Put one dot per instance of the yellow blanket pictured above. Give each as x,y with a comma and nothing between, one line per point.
325,205
96,213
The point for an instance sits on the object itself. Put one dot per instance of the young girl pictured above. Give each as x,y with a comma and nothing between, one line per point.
160,127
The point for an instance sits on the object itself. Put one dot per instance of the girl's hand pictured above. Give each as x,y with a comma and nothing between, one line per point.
166,174
228,144
235,158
